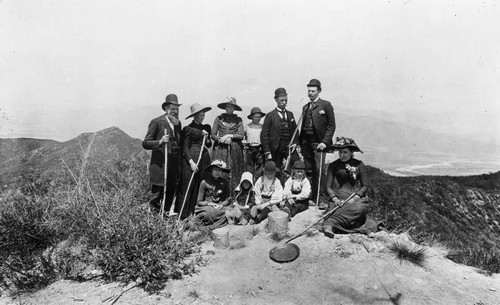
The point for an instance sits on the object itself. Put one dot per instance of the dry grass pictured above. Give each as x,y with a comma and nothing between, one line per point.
413,254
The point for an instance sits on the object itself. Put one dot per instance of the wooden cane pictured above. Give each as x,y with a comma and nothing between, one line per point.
162,210
192,176
290,151
319,178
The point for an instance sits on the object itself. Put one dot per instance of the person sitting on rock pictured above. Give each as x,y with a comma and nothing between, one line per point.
268,193
297,190
213,195
347,176
244,200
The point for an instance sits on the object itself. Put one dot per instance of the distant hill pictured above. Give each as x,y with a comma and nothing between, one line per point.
18,156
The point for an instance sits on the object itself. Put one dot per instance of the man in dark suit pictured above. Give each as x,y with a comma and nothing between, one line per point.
156,140
277,130
318,127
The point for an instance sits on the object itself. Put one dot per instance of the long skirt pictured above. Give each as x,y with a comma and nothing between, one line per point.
232,154
192,194
351,218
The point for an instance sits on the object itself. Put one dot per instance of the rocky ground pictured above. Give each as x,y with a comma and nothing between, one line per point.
349,269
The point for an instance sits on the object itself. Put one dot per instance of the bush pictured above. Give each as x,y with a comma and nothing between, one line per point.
413,254
99,223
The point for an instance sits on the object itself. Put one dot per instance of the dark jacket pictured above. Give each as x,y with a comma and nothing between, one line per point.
152,142
271,131
323,122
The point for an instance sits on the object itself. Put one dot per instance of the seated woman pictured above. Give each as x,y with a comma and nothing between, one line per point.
244,200
213,196
346,176
268,193
297,190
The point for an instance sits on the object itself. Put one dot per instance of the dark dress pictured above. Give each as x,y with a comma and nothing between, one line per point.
193,136
232,153
214,191
343,179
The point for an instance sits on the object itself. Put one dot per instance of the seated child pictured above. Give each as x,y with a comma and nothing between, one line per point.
268,193
213,195
297,191
239,213
253,148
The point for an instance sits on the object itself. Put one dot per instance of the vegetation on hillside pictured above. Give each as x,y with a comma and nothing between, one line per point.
93,222
462,213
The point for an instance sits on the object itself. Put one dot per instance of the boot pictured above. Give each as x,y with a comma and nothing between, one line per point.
327,230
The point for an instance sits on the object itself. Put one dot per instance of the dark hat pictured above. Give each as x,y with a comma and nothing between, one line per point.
314,83
254,111
342,142
280,92
229,100
219,164
170,99
196,108
299,165
270,167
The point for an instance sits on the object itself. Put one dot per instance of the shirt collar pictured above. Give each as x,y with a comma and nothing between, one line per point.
279,110
315,100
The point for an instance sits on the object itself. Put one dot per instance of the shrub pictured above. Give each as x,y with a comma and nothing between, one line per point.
413,254
97,221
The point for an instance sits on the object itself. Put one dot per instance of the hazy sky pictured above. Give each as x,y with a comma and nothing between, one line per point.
68,67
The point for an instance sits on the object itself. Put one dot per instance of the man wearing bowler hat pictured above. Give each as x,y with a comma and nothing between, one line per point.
318,127
156,140
277,131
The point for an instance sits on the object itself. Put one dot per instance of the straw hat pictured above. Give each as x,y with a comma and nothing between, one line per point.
254,111
196,108
170,99
219,164
342,142
229,101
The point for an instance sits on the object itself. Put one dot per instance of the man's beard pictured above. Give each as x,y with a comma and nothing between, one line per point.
174,119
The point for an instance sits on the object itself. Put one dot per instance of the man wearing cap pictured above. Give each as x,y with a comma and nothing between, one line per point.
156,140
318,127
277,131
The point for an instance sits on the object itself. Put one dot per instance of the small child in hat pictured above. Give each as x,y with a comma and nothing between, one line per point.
213,195
254,154
297,191
243,201
268,193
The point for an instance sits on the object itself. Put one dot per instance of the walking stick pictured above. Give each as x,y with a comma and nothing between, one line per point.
319,178
229,167
162,210
322,218
290,151
192,175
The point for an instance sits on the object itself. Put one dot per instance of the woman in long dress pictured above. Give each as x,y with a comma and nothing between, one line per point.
346,176
227,133
193,136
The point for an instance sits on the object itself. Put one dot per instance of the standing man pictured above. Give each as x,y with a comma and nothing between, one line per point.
277,131
316,134
156,140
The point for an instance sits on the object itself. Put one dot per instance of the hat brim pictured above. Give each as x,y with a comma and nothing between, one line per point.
351,147
250,116
226,170
168,103
277,170
284,94
205,109
223,106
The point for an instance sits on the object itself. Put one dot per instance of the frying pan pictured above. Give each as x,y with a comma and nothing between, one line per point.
288,252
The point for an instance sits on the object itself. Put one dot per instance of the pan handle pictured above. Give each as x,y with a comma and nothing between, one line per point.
322,218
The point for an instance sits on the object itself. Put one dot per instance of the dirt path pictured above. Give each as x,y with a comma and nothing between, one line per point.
346,270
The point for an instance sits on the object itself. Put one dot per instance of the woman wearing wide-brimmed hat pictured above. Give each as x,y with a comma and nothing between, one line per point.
213,195
227,133
346,176
193,135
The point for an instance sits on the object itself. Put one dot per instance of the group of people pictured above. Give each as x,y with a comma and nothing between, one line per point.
255,168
